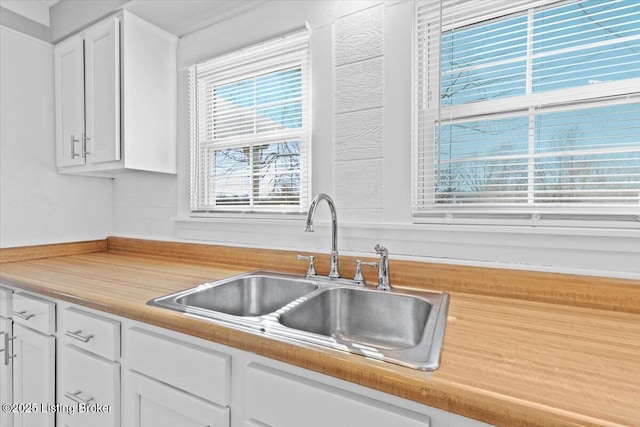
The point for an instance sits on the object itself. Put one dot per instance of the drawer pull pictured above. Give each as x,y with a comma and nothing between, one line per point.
23,314
76,397
76,335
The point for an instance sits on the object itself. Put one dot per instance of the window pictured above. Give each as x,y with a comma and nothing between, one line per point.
250,128
531,110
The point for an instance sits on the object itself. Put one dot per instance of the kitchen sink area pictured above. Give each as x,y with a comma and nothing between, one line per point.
406,328
397,327
279,338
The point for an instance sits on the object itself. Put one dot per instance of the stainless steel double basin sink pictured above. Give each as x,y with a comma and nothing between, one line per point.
397,327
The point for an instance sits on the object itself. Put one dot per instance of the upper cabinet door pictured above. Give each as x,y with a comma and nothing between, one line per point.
69,87
102,78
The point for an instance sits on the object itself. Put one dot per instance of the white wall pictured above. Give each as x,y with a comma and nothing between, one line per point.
37,205
18,22
35,10
144,205
361,70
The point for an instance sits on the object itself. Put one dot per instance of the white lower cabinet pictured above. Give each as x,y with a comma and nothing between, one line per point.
88,381
172,382
173,379
33,348
279,399
88,390
150,403
195,369
6,370
6,355
33,377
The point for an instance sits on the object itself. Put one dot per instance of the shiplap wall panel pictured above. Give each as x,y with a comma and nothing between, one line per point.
359,184
358,86
360,36
359,115
359,135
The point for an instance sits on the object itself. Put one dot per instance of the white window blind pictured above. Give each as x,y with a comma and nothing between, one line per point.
250,128
527,109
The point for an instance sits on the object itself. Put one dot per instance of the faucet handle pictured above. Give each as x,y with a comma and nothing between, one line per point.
311,271
358,278
381,250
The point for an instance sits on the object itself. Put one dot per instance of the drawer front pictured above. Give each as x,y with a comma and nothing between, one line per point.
92,333
280,399
34,313
5,302
197,370
88,390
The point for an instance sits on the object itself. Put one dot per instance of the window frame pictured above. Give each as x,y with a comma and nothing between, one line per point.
426,76
286,52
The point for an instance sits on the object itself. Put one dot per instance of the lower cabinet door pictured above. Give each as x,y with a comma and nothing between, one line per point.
88,390
6,370
34,369
149,403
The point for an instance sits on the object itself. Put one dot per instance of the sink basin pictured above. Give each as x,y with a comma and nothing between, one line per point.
248,295
402,328
394,327
381,320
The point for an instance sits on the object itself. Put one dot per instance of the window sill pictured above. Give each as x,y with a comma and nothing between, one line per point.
576,224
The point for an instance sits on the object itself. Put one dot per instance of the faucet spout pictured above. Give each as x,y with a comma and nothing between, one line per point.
383,268
333,272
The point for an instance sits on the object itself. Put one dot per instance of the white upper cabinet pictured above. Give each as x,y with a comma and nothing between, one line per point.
69,75
102,92
116,98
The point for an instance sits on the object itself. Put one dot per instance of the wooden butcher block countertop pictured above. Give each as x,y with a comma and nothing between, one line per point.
520,349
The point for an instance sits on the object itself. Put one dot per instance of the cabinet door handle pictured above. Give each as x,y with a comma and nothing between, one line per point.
76,335
23,314
7,356
73,148
85,138
76,397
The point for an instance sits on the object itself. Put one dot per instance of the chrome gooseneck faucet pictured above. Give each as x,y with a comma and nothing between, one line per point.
333,272
383,268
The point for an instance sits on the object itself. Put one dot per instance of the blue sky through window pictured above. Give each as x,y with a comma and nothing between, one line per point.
577,44
259,104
